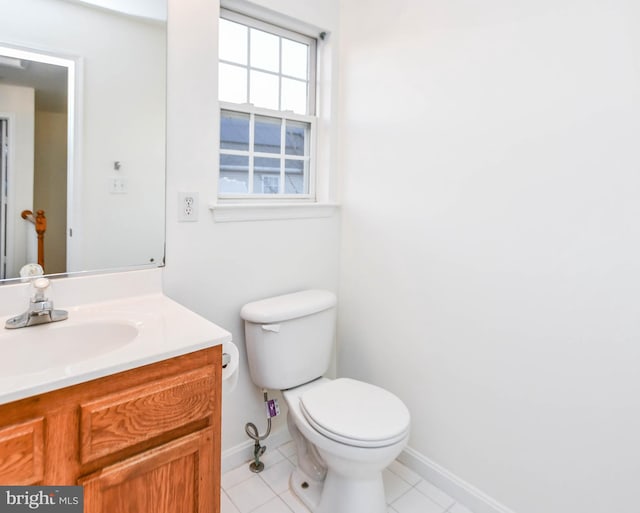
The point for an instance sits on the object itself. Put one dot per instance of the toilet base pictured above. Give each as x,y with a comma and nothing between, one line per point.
338,494
305,489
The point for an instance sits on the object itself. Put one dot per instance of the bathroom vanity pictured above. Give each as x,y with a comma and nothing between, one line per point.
123,398
147,439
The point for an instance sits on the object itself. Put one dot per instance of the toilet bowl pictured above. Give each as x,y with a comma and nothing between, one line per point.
357,430
346,431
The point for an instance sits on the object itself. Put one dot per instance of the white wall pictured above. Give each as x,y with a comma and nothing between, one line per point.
123,94
17,104
215,268
490,262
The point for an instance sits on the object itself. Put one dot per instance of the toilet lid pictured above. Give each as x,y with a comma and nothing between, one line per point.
356,413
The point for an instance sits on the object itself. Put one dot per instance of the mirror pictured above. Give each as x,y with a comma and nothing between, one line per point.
82,132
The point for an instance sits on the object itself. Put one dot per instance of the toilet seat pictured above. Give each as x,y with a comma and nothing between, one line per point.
355,413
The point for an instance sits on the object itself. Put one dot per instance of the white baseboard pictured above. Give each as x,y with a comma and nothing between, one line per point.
243,453
464,493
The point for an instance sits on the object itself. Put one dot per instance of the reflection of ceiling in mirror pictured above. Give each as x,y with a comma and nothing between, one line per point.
48,80
151,9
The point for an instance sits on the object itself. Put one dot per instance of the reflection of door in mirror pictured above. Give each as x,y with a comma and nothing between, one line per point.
4,164
33,107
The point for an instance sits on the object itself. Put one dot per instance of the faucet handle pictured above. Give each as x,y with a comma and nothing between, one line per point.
41,284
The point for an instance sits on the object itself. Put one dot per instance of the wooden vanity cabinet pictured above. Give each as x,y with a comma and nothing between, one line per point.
142,441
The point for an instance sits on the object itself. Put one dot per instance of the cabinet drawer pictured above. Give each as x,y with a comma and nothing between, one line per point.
21,450
123,419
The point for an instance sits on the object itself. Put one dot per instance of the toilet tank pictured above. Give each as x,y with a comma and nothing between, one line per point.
289,338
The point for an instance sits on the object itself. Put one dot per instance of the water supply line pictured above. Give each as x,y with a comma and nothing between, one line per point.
253,433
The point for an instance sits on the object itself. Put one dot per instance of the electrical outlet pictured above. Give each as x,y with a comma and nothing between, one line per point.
187,206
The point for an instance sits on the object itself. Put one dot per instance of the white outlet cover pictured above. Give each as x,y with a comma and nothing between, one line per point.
188,206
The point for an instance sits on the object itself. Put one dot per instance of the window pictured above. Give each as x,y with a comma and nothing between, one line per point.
267,117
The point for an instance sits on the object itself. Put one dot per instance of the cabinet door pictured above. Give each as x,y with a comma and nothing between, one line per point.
174,478
21,453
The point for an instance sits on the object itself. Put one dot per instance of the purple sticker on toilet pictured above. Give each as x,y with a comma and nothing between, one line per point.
272,408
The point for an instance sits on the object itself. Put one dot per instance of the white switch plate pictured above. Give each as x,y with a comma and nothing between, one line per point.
117,185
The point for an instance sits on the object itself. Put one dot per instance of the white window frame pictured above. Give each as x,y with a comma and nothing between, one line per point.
283,116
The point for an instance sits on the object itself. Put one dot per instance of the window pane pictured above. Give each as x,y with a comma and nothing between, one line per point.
296,134
232,83
267,135
265,51
264,90
234,131
233,42
295,177
234,174
266,175
269,185
294,59
266,165
294,95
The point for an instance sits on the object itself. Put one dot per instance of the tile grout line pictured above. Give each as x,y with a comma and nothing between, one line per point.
229,499
415,488
445,509
278,495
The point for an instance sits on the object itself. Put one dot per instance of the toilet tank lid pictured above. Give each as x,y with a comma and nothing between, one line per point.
288,306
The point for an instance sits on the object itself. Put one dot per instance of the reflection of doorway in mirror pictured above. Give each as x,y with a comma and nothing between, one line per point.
37,89
17,109
4,164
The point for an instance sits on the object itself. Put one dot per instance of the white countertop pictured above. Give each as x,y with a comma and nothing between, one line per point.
165,329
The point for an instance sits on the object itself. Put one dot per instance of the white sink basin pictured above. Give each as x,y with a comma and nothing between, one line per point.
39,348
99,339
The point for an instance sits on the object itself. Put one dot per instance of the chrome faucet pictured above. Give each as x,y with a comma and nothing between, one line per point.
40,310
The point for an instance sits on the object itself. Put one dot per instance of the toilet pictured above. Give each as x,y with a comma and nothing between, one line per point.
346,431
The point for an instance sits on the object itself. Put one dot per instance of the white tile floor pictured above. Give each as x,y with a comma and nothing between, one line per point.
268,492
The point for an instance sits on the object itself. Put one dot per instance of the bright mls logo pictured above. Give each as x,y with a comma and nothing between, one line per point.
50,499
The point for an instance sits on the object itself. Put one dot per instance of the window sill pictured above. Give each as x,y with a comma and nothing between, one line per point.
225,213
